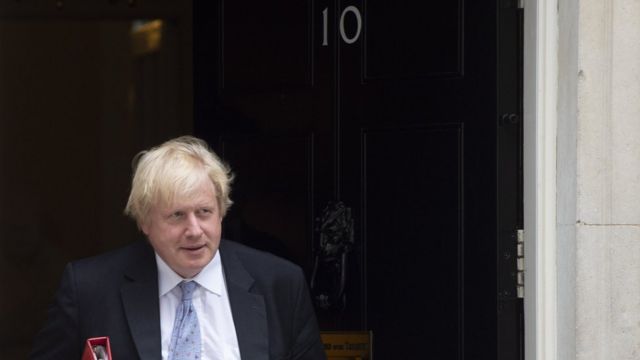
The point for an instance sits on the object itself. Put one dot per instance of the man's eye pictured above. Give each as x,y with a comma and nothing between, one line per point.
177,214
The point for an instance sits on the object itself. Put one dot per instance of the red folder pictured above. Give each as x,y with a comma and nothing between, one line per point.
97,348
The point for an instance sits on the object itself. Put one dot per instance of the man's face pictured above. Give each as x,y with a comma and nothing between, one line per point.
186,234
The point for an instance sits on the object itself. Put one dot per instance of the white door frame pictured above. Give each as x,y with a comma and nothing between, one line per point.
540,120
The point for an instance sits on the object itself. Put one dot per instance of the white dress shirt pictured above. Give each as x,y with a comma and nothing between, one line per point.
211,302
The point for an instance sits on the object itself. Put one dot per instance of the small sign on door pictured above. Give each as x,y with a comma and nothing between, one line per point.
347,345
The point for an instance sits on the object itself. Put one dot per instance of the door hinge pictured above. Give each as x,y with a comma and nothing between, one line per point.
520,263
520,4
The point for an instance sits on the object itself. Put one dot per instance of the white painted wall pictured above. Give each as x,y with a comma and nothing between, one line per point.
608,180
582,294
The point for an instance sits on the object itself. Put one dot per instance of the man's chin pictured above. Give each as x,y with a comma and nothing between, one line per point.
194,264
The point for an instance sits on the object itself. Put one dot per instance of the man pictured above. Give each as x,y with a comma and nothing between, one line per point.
184,293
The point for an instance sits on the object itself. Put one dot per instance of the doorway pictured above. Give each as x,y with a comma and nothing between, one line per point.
378,146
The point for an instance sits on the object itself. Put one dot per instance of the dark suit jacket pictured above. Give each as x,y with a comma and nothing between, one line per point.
116,295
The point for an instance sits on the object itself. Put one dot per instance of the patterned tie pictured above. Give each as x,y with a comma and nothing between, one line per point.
185,339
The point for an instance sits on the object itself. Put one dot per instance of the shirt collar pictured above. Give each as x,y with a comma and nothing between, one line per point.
210,278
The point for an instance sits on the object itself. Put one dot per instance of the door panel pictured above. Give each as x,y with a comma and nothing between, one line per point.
267,108
413,261
425,40
263,49
440,294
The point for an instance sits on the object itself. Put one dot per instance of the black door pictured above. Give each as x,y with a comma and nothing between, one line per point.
370,148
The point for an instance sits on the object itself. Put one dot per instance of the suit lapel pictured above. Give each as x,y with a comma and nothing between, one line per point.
141,304
247,307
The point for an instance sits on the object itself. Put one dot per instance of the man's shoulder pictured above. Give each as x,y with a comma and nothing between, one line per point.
114,261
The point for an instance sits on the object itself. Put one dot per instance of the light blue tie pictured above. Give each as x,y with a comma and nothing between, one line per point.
185,339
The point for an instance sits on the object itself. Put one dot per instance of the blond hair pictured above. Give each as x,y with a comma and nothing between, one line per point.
176,169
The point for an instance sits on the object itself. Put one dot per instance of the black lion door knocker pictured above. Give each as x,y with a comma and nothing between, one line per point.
329,276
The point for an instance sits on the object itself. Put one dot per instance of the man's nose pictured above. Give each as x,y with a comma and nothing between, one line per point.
193,226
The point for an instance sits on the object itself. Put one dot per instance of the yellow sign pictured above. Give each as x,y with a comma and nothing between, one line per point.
347,345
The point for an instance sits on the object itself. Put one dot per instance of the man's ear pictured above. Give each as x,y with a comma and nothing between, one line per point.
144,226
